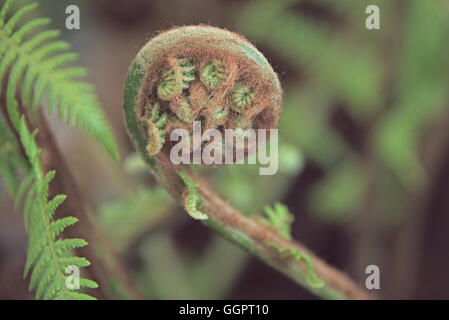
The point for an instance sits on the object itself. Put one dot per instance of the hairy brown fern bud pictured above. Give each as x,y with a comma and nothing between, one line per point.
198,73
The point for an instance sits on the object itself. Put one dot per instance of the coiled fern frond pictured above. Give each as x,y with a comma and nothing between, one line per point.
213,74
38,64
203,74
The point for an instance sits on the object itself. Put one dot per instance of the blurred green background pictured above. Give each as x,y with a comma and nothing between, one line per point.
364,148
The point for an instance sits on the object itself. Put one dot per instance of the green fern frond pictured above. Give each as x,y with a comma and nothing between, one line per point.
47,256
38,64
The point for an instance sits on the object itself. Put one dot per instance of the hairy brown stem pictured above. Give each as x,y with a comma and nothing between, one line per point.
258,238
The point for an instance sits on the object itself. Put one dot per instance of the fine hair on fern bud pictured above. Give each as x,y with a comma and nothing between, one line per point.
199,73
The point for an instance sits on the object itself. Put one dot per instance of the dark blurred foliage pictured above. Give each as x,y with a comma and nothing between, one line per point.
364,148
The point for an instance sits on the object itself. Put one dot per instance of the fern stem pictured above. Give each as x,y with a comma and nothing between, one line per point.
256,238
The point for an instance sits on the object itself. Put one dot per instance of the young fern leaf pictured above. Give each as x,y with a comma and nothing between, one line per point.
192,199
281,219
242,97
213,74
155,127
48,257
38,64
176,79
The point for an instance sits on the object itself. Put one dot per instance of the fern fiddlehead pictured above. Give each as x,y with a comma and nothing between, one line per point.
237,89
220,79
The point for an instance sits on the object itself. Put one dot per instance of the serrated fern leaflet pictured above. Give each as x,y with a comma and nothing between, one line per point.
47,256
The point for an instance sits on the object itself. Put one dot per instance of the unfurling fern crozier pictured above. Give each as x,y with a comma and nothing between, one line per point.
198,73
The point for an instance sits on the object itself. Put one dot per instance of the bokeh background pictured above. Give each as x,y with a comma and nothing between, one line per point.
364,149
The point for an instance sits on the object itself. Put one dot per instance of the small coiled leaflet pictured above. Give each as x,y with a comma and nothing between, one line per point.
155,124
175,80
213,74
241,97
